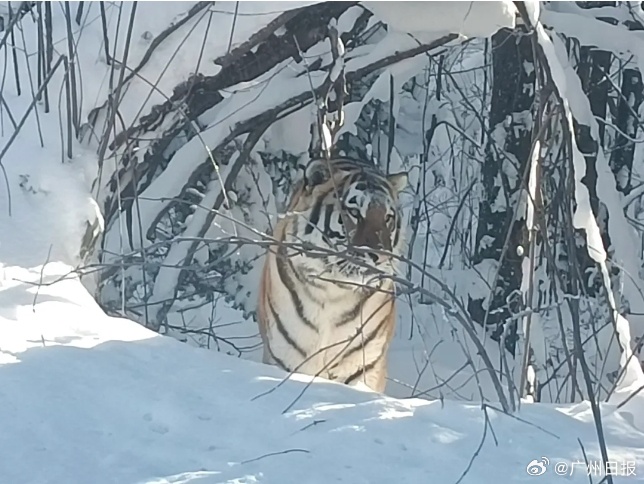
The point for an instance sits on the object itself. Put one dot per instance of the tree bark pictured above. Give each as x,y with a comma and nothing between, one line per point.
503,174
621,160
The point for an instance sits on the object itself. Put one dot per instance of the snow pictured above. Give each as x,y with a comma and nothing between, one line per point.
591,31
575,102
97,399
166,281
175,66
170,182
268,91
470,19
530,321
86,397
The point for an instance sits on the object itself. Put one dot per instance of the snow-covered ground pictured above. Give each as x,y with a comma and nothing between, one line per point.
87,398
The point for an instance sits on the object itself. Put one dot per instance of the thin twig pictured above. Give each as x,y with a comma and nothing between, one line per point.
270,454
72,67
478,449
116,96
21,124
106,39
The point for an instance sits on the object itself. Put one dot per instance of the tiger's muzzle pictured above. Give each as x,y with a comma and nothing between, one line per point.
372,232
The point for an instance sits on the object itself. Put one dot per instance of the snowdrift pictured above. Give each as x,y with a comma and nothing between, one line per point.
87,398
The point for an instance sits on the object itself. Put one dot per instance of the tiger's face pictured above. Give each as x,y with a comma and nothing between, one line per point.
351,209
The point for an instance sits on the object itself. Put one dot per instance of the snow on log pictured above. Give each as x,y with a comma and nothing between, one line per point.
469,19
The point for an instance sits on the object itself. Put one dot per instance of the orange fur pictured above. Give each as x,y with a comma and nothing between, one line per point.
303,199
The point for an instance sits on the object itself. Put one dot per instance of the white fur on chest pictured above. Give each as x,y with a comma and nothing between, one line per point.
325,308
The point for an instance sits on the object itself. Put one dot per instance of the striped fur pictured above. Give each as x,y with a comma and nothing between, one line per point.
329,315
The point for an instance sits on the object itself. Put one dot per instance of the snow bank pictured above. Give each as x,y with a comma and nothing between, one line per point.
88,398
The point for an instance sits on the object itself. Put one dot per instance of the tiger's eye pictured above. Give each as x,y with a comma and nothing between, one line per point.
317,178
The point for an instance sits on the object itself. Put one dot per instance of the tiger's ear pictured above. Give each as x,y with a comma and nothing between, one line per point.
316,173
398,181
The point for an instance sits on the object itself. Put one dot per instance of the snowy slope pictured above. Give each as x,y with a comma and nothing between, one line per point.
91,399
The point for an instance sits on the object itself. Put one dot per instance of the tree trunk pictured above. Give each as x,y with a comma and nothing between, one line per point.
621,160
503,174
593,64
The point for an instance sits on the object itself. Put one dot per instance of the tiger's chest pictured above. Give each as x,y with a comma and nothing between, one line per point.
328,331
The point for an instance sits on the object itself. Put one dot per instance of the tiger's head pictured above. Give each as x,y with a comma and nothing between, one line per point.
352,208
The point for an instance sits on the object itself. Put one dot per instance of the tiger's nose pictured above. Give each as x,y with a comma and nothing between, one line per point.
377,240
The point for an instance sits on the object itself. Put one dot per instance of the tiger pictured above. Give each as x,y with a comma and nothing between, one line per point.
331,313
